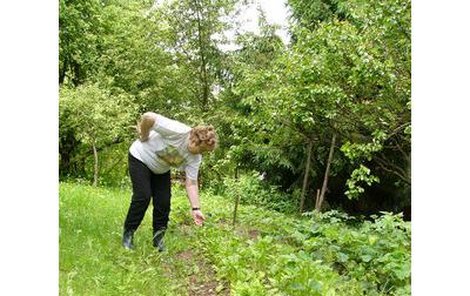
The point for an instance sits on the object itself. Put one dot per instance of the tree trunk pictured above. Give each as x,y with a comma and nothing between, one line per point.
63,70
66,150
317,199
327,172
77,73
202,55
95,154
307,170
237,198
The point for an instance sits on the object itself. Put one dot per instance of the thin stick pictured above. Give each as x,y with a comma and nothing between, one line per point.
317,199
327,172
237,198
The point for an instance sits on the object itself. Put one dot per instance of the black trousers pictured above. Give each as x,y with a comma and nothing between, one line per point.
146,184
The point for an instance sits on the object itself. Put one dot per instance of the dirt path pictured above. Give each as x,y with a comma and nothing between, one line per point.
201,277
201,282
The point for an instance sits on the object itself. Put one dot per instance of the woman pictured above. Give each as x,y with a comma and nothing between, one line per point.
163,143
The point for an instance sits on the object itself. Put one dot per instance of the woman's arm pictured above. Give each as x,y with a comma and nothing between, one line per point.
147,120
193,196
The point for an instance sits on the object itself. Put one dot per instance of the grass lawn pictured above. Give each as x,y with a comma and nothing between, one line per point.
92,261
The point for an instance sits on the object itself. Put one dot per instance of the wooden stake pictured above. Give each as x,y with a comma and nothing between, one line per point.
307,171
96,166
317,199
327,172
237,198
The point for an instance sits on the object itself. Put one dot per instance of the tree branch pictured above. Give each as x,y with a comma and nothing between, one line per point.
396,170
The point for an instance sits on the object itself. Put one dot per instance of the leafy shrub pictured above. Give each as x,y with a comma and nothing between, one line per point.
253,190
378,253
327,253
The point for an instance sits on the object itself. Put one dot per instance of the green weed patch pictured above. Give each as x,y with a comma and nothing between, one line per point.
266,253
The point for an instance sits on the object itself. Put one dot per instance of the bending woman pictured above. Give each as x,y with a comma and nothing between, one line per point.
163,143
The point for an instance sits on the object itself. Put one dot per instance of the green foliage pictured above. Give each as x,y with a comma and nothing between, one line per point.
91,259
113,169
110,72
377,253
346,73
97,117
310,13
253,190
193,33
361,174
328,254
347,76
269,253
79,39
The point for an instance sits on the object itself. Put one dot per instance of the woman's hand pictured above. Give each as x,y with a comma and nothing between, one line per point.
198,217
147,120
143,136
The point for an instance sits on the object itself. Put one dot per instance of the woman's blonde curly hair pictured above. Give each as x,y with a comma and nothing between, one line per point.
204,134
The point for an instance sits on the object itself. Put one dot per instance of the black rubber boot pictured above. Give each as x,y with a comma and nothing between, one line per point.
158,240
127,239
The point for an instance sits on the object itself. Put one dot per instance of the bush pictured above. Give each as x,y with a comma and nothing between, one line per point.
253,190
376,253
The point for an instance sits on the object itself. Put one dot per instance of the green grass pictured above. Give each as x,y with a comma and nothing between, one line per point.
92,261
268,253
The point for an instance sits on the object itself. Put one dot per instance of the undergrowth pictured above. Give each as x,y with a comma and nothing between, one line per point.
265,253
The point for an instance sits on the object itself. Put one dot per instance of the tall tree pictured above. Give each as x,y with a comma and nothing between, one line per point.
345,78
79,38
196,30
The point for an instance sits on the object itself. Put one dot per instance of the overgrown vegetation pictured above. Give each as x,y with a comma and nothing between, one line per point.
342,85
323,122
267,253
